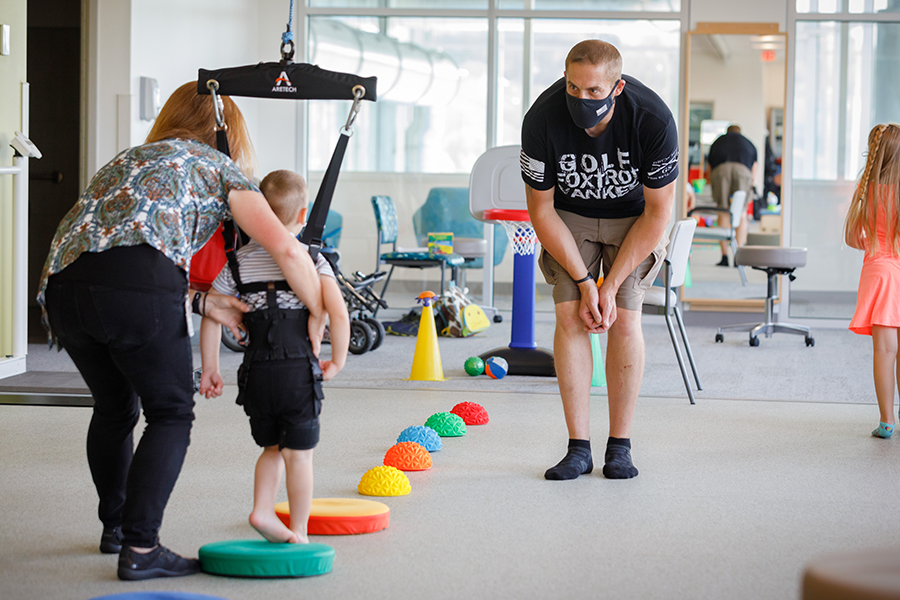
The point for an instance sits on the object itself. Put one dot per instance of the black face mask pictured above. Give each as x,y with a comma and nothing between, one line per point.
587,112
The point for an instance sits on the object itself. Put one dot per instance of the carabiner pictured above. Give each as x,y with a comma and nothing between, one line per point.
358,93
213,86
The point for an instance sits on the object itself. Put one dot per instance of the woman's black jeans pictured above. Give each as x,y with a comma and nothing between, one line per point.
120,316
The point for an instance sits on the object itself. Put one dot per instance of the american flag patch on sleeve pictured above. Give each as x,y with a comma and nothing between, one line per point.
531,168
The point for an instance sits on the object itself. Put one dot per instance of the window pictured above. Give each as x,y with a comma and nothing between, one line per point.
595,5
844,6
844,83
430,116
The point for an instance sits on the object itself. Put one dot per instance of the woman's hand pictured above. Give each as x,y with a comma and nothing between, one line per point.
227,311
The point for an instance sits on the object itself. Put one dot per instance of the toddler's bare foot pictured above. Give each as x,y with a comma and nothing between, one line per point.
270,527
299,539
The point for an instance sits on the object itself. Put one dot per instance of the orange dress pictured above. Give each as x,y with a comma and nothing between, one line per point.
878,298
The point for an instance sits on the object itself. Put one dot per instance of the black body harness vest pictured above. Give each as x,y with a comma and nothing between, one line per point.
274,333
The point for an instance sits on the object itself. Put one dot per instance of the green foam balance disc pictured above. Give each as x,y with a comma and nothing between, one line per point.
259,558
446,424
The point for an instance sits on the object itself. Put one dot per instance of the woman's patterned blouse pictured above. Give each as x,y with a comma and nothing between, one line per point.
171,195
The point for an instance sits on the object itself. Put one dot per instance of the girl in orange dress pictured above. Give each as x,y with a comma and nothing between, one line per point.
873,225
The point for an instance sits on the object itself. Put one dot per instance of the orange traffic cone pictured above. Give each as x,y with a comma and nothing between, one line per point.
427,359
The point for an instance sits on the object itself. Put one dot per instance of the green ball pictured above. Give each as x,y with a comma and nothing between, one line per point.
474,366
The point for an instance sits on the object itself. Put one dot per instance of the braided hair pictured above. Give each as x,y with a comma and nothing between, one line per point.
878,192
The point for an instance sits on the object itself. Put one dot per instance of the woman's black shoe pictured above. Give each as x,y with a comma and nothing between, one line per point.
111,540
159,562
723,262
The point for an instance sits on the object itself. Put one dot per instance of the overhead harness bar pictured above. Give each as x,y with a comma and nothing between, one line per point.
299,81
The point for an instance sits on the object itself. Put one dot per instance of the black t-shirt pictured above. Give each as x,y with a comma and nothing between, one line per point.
602,177
732,147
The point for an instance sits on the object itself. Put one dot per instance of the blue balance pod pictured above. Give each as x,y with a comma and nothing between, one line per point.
421,434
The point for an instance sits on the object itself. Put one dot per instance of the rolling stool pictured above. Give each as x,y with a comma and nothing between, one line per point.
774,260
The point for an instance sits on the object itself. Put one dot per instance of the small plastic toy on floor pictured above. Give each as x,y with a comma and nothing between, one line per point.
471,413
422,434
384,481
447,424
496,367
408,456
474,366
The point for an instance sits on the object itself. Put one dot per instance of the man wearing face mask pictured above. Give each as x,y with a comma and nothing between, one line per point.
600,160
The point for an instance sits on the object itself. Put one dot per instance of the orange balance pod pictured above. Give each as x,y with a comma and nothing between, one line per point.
408,456
341,516
471,413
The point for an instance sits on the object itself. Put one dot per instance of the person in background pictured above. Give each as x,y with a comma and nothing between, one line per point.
732,163
873,225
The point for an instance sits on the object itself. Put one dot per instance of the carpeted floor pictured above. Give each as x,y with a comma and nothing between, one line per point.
837,369
733,499
773,467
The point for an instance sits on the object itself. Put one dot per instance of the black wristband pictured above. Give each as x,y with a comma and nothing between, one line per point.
588,277
195,304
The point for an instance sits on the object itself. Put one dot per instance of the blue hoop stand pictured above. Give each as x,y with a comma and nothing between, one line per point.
522,354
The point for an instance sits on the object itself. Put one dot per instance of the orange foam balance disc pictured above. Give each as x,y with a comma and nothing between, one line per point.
341,516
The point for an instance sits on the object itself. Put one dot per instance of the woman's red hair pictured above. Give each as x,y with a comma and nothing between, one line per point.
189,115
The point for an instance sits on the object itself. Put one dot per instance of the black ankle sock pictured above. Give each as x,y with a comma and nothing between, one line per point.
577,462
580,444
618,459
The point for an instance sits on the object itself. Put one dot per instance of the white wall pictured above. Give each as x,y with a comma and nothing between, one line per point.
733,11
773,82
108,62
12,75
206,34
735,88
130,39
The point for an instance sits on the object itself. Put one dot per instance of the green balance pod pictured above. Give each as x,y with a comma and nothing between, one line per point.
259,558
446,424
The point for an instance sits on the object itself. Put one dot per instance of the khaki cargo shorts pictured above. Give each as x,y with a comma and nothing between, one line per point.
728,178
598,242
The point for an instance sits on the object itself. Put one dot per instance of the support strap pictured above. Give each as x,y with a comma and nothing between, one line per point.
315,227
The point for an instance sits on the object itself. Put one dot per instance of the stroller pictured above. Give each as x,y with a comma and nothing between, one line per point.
366,332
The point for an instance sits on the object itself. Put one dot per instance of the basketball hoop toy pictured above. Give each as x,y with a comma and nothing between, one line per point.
523,355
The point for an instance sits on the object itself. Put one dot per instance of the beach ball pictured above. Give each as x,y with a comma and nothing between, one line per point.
496,367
